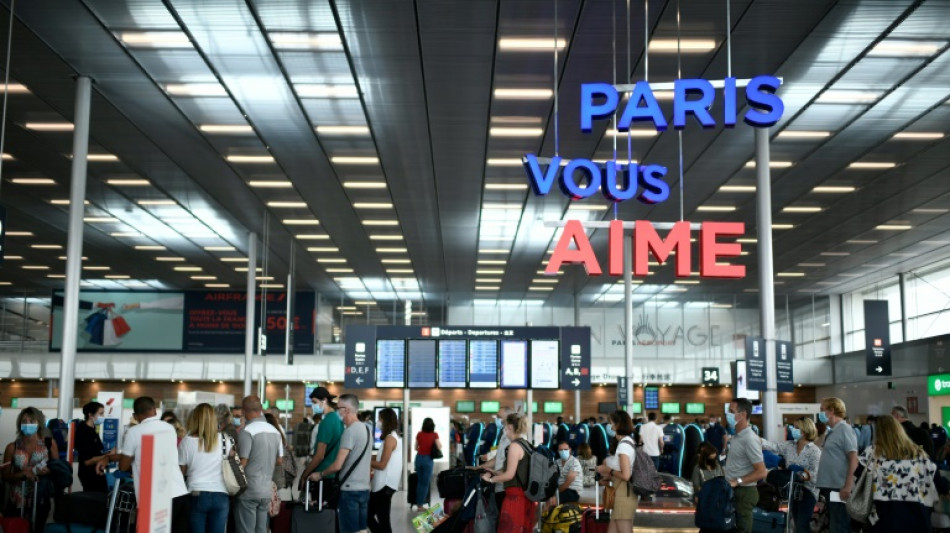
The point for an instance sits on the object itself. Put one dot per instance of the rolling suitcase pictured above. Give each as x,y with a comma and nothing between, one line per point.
82,509
595,519
303,519
767,521
452,483
121,504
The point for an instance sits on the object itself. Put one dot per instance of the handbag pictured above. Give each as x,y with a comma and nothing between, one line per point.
436,452
610,495
235,480
861,502
332,488
273,506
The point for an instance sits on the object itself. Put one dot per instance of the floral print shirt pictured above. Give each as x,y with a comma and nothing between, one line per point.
808,459
907,480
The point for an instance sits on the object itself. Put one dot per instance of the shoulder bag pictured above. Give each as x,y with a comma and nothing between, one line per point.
861,502
332,488
435,452
235,480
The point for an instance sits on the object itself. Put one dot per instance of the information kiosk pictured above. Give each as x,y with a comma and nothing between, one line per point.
694,437
671,460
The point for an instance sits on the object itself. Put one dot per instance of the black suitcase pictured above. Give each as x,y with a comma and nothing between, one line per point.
767,521
306,520
411,489
85,508
452,483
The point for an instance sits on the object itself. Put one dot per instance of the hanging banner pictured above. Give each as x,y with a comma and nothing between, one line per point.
111,418
622,392
877,338
755,363
784,354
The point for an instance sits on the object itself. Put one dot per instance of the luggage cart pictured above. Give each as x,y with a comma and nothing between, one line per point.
121,503
789,485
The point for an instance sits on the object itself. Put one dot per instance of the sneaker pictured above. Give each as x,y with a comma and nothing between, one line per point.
414,508
425,506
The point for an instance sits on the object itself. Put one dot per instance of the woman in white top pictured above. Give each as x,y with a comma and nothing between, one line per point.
199,456
618,469
386,473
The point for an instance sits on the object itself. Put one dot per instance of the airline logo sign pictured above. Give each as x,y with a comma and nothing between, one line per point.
938,385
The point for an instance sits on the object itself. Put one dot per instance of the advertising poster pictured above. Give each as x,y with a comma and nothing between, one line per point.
154,496
755,362
112,418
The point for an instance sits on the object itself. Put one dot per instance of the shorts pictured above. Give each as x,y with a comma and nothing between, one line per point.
625,502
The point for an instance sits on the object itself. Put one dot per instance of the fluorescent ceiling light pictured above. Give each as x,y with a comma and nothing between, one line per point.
686,282
91,267
682,45
504,162
493,251
217,285
716,208
35,267
861,241
155,39
918,135
545,280
19,234
835,254
391,250
502,206
286,204
492,262
489,271
219,248
335,260
195,89
783,226
337,270
188,269
747,240
737,188
803,134
801,209
14,88
306,40
832,189
101,157
271,285
46,246
372,205
319,90
125,234
312,237
380,222
636,132
376,237
127,182
905,48
894,227
117,276
871,165
204,278
516,120
156,202
32,181
540,288
530,44
245,269
323,249
919,210
506,186
772,164
342,130
226,128
842,96
481,281
234,260
487,287
585,207
49,126
96,220
395,261
149,247
497,131
56,276
6,157
364,184
300,221
811,265
523,94
790,274
250,158
399,271
354,160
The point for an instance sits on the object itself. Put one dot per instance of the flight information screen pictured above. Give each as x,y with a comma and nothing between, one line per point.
514,364
545,356
651,397
452,364
483,364
390,363
421,366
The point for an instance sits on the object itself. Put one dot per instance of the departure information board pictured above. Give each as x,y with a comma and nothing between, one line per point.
421,367
483,364
651,397
453,364
391,363
545,356
514,365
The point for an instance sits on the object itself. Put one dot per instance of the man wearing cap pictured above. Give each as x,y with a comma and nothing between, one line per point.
328,434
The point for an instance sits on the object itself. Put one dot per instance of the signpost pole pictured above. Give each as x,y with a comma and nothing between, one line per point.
249,311
577,392
763,201
406,431
628,318
77,195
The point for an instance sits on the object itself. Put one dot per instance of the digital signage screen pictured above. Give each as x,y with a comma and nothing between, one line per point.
554,408
514,365
421,367
483,364
545,358
465,406
695,408
453,363
490,407
670,408
391,364
651,397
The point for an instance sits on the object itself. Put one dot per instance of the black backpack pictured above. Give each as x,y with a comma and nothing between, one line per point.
716,509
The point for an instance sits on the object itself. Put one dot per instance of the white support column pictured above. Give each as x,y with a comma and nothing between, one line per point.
628,319
249,311
407,450
77,196
763,204
577,393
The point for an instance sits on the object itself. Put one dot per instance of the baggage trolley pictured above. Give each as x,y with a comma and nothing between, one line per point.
789,490
121,502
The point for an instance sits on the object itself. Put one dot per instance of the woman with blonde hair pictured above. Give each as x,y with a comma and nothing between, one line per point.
904,491
517,513
200,454
801,455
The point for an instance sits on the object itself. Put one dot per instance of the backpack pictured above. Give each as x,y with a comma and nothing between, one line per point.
542,472
716,509
644,479
301,440
768,497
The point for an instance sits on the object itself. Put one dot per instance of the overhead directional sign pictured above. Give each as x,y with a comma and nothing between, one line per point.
359,357
710,375
575,358
757,371
622,392
877,338
784,377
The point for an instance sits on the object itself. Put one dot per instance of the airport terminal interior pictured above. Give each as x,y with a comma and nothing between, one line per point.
456,207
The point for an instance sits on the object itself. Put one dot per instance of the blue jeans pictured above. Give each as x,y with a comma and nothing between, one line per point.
209,512
802,511
352,510
840,520
424,468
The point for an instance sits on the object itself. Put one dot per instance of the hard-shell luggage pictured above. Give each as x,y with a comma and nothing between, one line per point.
58,527
305,520
595,519
411,489
767,521
452,483
82,508
283,522
564,518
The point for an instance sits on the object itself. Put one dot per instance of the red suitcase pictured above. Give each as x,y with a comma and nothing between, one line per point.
15,525
283,522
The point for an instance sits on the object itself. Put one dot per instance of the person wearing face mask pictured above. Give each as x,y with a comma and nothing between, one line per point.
801,455
237,418
329,433
707,467
839,459
497,462
92,458
570,481
744,463
26,459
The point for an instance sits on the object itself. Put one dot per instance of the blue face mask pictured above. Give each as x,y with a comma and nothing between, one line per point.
822,417
610,431
565,454
98,421
236,421
317,408
731,419
498,422
28,429
796,433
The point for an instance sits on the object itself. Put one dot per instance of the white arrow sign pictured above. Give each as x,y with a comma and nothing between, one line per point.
359,381
878,369
576,382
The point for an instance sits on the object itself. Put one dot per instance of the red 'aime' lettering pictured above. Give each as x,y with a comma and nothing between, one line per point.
583,252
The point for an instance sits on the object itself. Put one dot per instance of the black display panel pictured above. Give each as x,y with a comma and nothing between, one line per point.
651,397
391,364
421,367
453,365
514,365
605,408
483,364
545,358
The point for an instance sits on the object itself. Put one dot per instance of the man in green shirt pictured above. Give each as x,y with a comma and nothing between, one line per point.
328,434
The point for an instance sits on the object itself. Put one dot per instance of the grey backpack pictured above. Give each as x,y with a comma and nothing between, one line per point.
541,484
